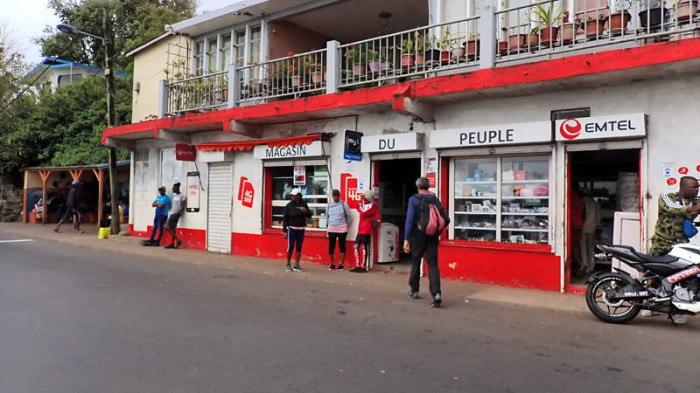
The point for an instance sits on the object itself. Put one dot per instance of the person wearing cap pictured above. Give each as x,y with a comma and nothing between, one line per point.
178,206
71,209
338,215
296,215
369,219
161,204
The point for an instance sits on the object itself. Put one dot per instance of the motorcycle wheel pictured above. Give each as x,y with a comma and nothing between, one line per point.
618,311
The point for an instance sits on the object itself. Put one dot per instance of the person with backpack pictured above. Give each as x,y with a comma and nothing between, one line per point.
338,215
425,220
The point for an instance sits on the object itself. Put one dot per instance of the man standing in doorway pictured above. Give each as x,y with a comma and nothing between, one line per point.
71,209
178,206
296,214
369,219
161,204
338,215
419,244
674,209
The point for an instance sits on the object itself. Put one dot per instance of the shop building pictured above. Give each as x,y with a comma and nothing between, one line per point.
506,138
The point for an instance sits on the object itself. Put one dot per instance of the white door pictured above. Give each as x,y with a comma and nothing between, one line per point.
140,208
219,208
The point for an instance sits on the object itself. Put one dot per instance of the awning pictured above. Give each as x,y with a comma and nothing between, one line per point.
248,145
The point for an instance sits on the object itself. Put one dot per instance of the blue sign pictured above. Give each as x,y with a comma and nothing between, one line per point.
353,145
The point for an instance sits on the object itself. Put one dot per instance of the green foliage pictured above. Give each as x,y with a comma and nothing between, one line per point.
547,15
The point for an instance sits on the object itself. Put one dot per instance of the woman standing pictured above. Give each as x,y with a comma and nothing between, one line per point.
338,215
296,214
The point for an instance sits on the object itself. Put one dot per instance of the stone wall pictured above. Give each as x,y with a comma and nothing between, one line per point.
10,201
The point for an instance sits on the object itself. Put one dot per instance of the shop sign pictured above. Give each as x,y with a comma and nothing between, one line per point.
504,134
600,127
350,190
299,175
246,192
193,192
353,146
185,152
313,149
390,142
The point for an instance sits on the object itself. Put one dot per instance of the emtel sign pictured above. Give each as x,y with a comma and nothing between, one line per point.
602,127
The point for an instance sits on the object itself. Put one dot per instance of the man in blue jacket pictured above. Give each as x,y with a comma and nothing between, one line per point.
161,204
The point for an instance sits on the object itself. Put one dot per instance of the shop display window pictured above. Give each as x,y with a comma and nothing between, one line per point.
502,199
313,182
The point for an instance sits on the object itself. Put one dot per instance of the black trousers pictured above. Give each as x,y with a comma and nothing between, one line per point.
422,245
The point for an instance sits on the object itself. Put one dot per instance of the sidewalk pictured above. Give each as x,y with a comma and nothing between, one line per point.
389,281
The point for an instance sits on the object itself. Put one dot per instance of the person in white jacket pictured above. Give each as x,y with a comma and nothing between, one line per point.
338,215
591,220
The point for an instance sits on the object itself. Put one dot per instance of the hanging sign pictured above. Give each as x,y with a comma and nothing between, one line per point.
299,175
246,192
353,145
390,142
192,192
349,190
504,134
185,152
313,149
600,127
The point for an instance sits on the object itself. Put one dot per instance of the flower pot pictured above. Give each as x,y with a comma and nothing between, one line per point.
317,77
568,32
650,17
533,40
686,9
594,28
296,80
517,42
472,49
408,60
358,69
618,22
420,58
458,53
445,56
432,55
374,65
549,35
386,66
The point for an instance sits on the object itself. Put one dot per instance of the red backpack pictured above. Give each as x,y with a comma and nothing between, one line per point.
431,221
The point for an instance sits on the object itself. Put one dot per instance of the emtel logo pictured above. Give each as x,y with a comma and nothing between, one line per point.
570,129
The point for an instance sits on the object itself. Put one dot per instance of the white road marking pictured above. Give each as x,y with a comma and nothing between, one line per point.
17,241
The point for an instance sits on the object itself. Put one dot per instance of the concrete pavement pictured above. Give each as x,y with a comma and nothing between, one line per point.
131,247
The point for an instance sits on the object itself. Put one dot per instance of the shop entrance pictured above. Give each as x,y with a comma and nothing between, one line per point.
396,183
602,184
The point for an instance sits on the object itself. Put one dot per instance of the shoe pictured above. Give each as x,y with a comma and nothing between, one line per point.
170,246
331,267
437,300
289,268
358,270
298,269
178,243
340,267
155,244
413,295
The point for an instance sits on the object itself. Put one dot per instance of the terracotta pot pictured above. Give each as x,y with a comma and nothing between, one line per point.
533,40
517,42
296,80
618,21
686,9
408,60
549,35
420,58
374,65
317,77
445,56
594,28
472,49
568,32
358,69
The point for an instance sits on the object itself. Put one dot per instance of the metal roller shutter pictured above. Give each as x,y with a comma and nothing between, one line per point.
219,208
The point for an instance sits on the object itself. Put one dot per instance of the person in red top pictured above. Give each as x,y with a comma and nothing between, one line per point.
369,219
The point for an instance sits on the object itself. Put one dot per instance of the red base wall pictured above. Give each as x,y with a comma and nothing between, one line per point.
274,246
195,239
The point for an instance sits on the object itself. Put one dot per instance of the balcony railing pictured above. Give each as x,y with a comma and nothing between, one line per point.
544,29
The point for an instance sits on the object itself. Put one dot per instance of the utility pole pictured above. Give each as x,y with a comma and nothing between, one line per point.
109,76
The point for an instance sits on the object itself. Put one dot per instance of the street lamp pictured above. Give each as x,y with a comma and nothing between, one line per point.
109,50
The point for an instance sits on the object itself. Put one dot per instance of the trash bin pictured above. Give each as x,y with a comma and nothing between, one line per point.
388,243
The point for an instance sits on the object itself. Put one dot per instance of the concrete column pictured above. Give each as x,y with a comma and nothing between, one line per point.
234,86
487,33
162,98
333,60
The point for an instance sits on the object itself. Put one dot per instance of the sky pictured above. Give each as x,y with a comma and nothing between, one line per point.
24,20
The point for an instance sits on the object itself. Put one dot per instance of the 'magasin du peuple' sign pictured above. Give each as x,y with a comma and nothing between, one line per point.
601,127
503,134
313,149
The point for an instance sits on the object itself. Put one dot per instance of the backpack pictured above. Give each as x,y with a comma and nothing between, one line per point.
430,221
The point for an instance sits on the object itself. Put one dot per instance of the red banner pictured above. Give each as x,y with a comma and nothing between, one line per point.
185,152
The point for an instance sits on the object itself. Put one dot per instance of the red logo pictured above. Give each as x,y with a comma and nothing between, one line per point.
672,181
349,190
246,192
697,168
683,170
570,129
185,152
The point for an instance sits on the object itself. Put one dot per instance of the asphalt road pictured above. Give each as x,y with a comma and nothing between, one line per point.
74,321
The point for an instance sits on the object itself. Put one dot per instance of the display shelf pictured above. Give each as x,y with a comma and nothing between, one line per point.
475,228
544,230
477,197
524,197
525,214
525,181
478,213
490,182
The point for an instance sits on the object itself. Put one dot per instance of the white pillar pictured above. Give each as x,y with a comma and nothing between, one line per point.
162,98
487,34
333,66
234,86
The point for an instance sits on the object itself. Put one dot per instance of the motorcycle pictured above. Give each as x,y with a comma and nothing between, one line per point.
668,284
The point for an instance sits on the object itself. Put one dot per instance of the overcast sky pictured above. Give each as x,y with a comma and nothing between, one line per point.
24,20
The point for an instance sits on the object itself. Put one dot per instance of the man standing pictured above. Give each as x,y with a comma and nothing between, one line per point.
338,215
591,221
178,206
296,214
674,209
71,209
161,204
418,243
369,219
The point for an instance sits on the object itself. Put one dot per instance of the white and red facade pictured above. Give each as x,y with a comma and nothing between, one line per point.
641,101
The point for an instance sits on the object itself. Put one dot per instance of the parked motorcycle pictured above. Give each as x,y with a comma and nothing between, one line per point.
669,284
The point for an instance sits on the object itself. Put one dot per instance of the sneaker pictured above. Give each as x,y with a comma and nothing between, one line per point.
331,267
340,267
358,270
289,268
437,300
154,244
413,295
298,269
170,246
178,243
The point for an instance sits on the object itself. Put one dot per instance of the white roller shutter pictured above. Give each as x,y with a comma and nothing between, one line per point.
219,208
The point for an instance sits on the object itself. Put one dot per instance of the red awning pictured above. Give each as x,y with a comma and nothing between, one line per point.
248,145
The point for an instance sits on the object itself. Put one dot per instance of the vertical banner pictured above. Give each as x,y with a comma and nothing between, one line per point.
192,192
353,145
246,192
299,175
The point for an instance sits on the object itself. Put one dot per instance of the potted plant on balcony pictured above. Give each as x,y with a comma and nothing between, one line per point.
686,8
457,51
472,46
374,60
619,19
569,27
221,90
408,52
595,25
315,69
514,44
651,13
356,55
546,17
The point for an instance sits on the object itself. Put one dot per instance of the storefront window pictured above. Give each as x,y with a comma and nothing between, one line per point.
502,199
314,189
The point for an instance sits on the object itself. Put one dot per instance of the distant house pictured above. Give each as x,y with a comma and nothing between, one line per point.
64,72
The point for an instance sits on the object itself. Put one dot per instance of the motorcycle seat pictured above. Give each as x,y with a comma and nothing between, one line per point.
655,259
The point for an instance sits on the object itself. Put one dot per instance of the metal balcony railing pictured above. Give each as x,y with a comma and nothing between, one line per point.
197,93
